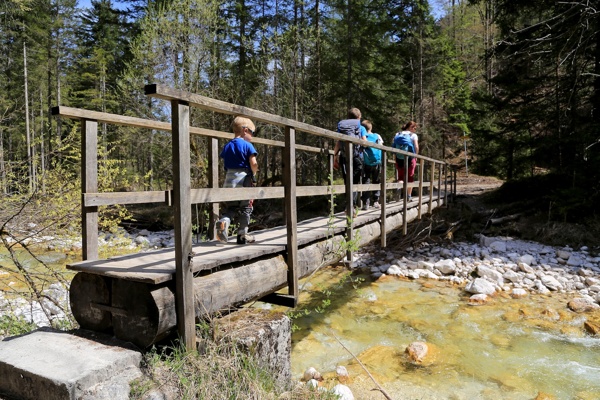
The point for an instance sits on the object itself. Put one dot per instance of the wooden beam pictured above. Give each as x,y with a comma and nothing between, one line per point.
182,210
89,183
112,198
291,211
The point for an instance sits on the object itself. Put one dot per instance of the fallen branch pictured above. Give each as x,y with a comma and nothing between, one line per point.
379,388
501,220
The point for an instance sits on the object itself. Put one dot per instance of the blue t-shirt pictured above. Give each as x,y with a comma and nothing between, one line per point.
237,152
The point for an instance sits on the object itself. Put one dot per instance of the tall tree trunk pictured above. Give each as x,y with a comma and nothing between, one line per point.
349,55
27,132
42,148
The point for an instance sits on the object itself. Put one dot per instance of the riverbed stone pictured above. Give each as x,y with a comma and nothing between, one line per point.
582,304
592,328
551,283
446,267
343,392
478,299
416,351
480,286
491,274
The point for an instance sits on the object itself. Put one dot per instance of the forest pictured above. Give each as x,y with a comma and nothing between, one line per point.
512,88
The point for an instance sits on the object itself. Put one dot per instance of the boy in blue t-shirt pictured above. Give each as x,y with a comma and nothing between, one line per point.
239,156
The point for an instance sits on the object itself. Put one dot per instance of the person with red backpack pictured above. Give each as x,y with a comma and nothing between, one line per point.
407,140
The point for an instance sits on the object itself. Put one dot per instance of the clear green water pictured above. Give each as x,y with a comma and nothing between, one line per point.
508,349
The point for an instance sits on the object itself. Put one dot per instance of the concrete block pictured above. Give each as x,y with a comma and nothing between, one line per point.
264,334
49,364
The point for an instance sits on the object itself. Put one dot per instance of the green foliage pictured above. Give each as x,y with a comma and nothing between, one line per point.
12,326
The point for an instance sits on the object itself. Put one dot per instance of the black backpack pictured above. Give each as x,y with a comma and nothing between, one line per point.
351,127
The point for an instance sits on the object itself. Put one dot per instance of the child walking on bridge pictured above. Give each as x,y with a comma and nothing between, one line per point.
239,156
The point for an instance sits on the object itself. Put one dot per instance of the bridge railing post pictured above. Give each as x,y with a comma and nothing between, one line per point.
421,173
439,194
331,161
89,184
348,148
291,215
382,198
431,179
182,210
446,170
405,197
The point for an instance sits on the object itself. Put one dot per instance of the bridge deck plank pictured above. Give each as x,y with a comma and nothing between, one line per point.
158,266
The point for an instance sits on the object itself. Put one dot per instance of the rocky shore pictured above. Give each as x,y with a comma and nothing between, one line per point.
496,264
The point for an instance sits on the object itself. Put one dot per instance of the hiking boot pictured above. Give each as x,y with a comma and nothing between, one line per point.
222,227
376,205
365,206
245,238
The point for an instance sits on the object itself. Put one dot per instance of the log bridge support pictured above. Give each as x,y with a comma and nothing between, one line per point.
142,297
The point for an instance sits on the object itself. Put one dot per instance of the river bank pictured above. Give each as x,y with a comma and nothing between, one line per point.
500,319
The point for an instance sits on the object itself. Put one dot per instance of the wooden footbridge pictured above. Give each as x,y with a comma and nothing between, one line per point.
142,297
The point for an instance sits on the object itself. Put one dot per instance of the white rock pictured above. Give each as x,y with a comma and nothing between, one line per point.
341,372
480,286
562,254
446,267
425,265
541,287
551,283
492,275
343,392
311,373
594,288
512,276
574,261
526,259
519,293
526,268
394,270
478,299
312,383
590,281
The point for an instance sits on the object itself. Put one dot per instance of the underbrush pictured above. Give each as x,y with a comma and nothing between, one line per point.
220,370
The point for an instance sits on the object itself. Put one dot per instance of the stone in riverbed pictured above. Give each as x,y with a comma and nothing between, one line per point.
342,373
518,293
446,267
592,327
480,286
416,351
581,304
478,299
551,283
312,373
343,392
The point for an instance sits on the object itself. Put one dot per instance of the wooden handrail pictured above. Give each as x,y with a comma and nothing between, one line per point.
206,103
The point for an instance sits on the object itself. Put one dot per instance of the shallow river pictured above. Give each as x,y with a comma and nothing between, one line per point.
509,349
